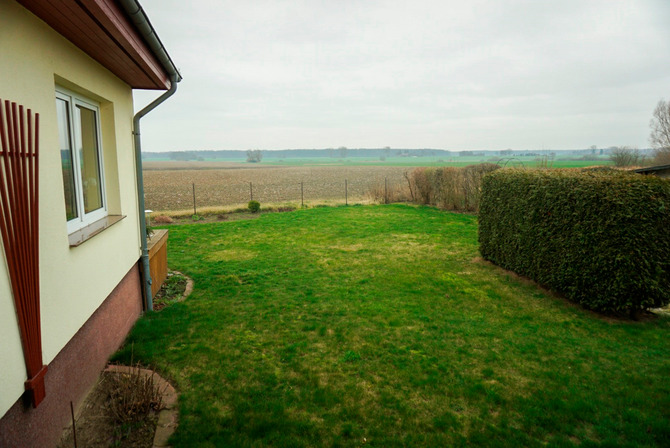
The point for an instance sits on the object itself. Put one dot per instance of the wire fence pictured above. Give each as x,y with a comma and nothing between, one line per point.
199,195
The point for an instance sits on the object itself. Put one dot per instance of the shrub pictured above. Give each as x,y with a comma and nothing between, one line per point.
389,193
163,219
449,187
133,395
598,236
254,206
662,156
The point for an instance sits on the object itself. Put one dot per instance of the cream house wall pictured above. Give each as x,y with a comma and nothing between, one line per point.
74,281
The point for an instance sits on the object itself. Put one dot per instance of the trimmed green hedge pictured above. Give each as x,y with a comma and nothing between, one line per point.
601,237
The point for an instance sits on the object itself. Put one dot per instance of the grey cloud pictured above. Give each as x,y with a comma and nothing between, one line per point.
484,74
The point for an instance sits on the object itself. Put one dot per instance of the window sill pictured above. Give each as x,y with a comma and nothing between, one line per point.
91,230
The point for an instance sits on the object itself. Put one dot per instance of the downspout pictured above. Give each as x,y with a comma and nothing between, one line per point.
146,272
142,24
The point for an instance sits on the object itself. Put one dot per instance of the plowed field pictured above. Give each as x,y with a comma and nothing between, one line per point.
169,185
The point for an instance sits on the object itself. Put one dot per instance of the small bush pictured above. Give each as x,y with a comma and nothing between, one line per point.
598,236
254,206
162,219
133,395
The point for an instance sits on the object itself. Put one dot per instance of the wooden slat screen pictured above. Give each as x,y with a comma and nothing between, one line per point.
19,226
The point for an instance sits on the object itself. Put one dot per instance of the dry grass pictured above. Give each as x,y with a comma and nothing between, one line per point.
225,212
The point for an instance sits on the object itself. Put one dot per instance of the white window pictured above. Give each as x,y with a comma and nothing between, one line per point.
81,159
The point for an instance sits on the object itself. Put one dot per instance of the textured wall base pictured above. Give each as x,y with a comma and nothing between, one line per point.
74,371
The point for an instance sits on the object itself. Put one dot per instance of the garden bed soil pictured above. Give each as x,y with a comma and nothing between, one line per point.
96,426
173,290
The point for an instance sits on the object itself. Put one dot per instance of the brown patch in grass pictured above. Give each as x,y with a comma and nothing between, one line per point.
231,255
348,248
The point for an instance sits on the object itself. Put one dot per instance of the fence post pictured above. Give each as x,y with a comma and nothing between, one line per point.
386,195
195,210
346,193
251,191
302,196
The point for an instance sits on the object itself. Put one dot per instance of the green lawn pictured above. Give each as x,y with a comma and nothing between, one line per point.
380,326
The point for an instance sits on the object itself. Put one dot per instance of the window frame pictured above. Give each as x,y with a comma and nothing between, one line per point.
74,101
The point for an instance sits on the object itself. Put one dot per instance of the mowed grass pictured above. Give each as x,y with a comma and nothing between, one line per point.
380,326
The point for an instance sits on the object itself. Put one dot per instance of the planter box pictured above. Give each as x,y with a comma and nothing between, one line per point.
158,267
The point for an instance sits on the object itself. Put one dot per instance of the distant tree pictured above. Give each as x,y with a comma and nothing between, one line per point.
660,133
343,152
183,155
593,149
626,156
254,155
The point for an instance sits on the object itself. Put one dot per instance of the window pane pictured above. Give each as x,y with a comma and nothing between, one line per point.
66,158
91,180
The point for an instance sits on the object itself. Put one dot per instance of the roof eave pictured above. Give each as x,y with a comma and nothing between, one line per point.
115,33
147,31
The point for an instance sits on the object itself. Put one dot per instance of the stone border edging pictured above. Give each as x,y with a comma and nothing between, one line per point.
189,286
168,416
188,289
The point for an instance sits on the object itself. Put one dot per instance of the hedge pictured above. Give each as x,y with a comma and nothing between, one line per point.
450,188
600,237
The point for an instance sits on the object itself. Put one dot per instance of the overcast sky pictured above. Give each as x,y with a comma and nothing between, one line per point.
482,74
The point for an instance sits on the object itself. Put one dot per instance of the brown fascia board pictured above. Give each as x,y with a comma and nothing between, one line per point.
102,30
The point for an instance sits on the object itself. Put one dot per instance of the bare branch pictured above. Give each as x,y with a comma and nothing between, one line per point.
660,133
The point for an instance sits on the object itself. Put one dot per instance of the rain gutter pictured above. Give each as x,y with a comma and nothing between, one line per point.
142,24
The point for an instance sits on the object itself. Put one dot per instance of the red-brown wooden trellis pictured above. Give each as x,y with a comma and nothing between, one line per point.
19,226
